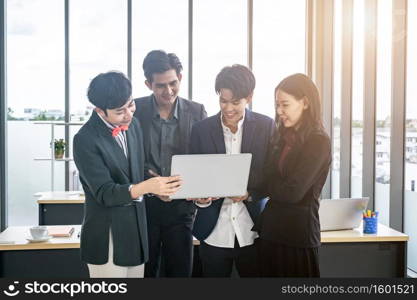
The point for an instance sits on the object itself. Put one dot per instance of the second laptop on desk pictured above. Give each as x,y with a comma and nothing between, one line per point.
340,214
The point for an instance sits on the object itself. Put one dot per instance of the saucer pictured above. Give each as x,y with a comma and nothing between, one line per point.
44,239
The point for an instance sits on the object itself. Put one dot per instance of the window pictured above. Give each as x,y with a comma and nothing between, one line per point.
35,84
410,193
277,51
219,40
383,110
357,98
337,93
158,25
98,43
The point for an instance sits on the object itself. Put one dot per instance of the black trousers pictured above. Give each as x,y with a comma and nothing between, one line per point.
174,246
278,260
170,238
218,262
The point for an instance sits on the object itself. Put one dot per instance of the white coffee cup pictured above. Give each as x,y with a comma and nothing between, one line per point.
38,232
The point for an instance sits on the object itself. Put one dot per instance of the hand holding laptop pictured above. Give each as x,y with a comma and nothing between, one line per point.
163,187
164,197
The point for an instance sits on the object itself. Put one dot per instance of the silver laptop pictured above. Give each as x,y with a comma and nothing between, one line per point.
340,214
211,175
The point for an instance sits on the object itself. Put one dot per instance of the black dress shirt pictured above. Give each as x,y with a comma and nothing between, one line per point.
164,140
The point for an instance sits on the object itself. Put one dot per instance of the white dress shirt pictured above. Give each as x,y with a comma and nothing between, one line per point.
234,219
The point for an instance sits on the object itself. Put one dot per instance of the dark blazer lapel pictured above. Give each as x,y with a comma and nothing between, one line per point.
249,127
110,143
145,121
133,155
217,135
184,124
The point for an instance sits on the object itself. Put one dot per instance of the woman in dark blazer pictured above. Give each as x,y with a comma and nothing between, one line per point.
298,163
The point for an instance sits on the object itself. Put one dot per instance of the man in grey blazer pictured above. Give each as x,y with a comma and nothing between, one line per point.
166,120
108,152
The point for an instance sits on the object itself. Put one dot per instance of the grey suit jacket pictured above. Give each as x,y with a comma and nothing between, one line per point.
106,175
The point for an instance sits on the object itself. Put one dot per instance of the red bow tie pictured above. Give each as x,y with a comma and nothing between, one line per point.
117,130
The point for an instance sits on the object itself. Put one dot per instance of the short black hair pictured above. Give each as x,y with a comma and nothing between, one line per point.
158,61
237,78
109,90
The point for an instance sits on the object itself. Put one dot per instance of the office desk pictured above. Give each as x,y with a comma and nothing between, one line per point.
60,208
347,253
350,253
58,257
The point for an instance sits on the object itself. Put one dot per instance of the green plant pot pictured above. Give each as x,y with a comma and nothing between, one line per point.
59,154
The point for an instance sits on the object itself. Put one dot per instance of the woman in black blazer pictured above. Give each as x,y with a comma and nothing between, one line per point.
298,164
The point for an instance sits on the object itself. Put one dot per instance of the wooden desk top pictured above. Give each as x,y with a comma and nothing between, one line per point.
19,234
60,197
384,234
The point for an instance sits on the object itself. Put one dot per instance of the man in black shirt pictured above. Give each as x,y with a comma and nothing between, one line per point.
166,120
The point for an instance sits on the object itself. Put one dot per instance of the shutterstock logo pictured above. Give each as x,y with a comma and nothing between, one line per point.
11,290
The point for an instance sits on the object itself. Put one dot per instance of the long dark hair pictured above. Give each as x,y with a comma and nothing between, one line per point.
301,86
